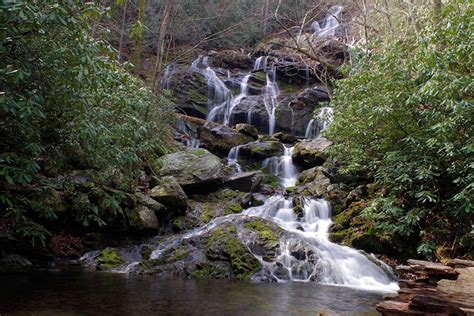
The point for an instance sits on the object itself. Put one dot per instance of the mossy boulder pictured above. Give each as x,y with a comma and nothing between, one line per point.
169,192
262,149
224,245
196,170
311,153
247,129
149,202
142,218
109,258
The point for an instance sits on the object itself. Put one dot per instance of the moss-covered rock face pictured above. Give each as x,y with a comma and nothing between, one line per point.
223,244
109,258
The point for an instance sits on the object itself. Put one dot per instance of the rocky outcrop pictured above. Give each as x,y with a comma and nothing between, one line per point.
262,149
144,219
311,153
309,98
196,170
231,59
428,288
221,139
244,181
169,192
247,129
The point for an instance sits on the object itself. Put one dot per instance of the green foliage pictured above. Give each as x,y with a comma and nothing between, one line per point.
405,115
65,104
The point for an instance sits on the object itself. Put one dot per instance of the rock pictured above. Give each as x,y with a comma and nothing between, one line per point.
143,218
14,263
310,98
251,200
231,59
244,181
189,89
170,193
314,181
152,204
262,149
285,138
109,258
196,170
221,139
311,153
247,129
428,288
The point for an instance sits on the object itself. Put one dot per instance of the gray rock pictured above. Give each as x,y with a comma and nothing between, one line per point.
247,129
170,193
311,153
220,139
244,181
262,149
143,218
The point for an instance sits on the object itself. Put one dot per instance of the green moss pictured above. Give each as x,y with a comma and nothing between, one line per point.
208,213
200,152
110,258
235,208
265,231
287,87
179,223
290,189
224,242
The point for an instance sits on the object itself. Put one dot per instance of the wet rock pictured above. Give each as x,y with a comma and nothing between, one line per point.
144,219
221,139
196,170
309,98
169,192
189,89
285,138
244,181
149,202
231,59
251,200
262,149
14,263
109,258
247,129
311,153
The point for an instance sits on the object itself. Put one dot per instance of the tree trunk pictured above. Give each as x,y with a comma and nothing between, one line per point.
122,30
139,41
160,51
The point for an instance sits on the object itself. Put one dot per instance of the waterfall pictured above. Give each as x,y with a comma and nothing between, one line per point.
233,158
309,255
260,64
283,168
166,81
322,121
270,98
330,23
218,95
236,100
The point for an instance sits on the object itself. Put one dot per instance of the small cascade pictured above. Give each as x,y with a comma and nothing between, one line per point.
271,92
218,94
233,158
260,64
166,81
188,135
307,254
329,25
322,121
236,100
283,168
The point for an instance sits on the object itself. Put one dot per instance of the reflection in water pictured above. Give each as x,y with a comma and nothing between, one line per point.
118,294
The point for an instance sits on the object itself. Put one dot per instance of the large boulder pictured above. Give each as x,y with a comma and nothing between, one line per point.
309,98
147,201
196,170
143,219
170,193
244,181
262,149
189,89
231,59
247,129
311,153
221,139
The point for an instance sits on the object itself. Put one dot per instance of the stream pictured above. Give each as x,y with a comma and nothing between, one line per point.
98,293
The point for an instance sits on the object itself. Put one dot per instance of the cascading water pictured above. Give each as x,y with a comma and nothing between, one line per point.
322,121
166,81
271,92
283,168
236,100
329,25
233,158
307,254
260,64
